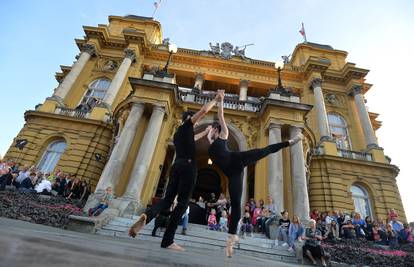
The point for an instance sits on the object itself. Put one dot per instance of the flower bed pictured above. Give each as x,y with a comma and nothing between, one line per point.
361,252
46,210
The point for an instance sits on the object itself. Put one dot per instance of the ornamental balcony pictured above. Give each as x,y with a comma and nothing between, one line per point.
354,154
76,113
231,101
349,154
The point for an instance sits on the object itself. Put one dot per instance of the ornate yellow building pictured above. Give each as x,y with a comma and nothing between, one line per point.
112,117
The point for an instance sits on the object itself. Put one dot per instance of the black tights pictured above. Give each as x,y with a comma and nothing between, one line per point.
234,171
182,181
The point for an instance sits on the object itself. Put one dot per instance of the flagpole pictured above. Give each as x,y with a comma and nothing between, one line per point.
304,33
157,4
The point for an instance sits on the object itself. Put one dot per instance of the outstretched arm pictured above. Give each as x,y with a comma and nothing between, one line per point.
202,134
204,110
224,134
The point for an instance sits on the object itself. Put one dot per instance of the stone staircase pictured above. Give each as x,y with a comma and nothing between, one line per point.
200,237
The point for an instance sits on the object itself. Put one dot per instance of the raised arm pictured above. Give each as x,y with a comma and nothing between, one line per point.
202,134
204,110
224,134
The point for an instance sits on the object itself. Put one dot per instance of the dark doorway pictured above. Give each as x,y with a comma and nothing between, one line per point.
208,181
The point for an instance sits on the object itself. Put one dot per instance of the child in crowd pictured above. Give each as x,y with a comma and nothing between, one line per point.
348,230
391,236
406,235
212,221
283,229
104,203
296,231
246,226
333,231
223,222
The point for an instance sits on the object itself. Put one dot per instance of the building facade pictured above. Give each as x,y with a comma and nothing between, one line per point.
113,115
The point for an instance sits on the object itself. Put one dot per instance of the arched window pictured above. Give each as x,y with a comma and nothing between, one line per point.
95,93
51,156
339,131
361,200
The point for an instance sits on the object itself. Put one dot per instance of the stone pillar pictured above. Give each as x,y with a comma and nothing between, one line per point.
370,138
116,162
199,80
144,157
320,109
244,85
298,172
275,168
119,78
63,89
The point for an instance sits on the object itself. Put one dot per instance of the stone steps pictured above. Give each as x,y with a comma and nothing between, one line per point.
200,237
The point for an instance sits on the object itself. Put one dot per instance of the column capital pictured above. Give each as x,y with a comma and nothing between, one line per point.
159,108
138,104
244,82
356,89
316,82
130,53
295,129
199,75
89,48
273,125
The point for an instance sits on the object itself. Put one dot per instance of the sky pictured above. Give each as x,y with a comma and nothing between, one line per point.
37,37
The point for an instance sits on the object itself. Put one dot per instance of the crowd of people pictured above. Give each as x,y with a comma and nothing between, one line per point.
27,179
323,226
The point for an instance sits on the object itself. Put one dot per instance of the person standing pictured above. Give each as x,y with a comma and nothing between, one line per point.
182,179
232,163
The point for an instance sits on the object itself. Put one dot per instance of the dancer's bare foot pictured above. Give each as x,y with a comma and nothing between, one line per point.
296,139
229,245
175,247
137,226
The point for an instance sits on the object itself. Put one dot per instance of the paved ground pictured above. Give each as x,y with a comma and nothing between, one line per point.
26,244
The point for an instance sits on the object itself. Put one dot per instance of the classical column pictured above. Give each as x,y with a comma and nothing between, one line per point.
298,172
199,80
119,77
116,162
145,153
370,138
275,168
244,85
63,89
320,109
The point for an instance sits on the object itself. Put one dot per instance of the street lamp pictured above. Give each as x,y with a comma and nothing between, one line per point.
172,49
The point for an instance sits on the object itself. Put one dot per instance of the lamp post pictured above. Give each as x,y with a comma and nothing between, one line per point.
172,49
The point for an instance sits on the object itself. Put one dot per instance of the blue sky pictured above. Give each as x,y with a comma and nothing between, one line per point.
38,36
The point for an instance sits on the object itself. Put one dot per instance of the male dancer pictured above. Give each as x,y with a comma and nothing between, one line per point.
232,164
182,177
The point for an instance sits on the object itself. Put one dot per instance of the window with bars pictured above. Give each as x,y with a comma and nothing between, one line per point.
95,93
51,156
361,200
339,131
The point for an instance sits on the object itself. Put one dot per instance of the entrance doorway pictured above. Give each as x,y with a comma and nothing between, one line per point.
208,181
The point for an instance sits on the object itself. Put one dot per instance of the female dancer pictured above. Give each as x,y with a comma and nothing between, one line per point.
232,164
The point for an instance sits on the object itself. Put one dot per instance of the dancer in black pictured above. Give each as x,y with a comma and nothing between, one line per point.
232,164
182,178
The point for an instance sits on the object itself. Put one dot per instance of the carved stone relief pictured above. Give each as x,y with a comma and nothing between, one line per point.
335,99
107,64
